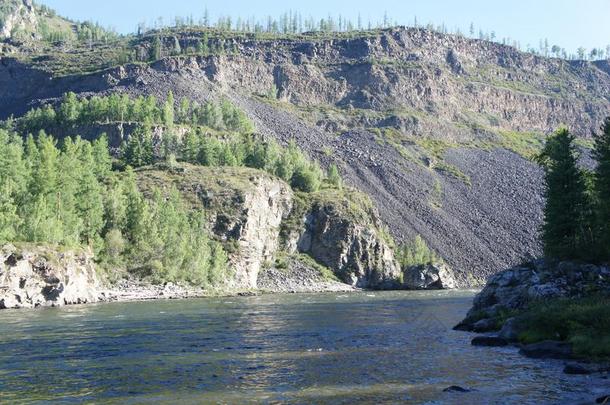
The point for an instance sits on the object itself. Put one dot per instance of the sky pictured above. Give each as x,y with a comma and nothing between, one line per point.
567,23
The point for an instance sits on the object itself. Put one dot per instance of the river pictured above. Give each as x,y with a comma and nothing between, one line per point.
368,347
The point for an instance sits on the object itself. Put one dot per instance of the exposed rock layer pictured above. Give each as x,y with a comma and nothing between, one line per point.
33,276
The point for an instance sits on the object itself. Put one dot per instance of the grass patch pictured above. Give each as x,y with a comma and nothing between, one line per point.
584,322
454,172
526,144
326,273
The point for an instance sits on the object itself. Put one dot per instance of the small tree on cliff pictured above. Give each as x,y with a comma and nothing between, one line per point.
601,153
566,228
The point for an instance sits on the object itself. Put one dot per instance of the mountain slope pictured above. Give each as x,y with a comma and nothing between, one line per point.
437,129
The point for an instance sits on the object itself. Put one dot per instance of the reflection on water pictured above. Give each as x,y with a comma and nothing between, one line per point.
327,348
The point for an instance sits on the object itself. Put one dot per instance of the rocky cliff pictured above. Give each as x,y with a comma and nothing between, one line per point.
437,129
342,231
17,15
34,276
258,218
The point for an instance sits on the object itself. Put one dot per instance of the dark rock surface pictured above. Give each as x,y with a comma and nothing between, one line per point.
354,251
548,349
604,399
485,325
456,388
576,369
489,341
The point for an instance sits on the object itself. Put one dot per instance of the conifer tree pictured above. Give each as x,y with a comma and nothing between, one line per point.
101,157
190,147
89,197
70,172
168,110
13,182
601,153
566,227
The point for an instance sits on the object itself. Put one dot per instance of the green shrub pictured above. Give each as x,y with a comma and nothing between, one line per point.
584,322
415,253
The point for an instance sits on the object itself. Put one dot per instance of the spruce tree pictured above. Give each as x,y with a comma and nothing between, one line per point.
566,229
601,153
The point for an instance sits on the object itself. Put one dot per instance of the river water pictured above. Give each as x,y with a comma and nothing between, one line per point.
365,347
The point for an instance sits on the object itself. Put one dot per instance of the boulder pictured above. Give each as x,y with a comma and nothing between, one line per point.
437,276
489,341
604,399
485,325
36,276
511,329
548,349
456,388
576,369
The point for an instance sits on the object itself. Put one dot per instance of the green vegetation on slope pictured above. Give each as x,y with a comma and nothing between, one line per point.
229,144
71,197
120,108
585,323
416,253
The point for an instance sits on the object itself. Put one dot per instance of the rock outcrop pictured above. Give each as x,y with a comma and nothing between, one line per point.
515,288
436,276
244,207
354,249
21,16
248,210
36,276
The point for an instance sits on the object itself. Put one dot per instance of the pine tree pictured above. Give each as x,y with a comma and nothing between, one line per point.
138,150
70,171
566,227
69,110
190,147
601,153
41,210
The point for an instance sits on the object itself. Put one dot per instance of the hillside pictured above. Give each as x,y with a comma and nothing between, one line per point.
437,129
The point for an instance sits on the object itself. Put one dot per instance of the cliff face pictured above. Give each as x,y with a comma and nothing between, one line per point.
39,277
426,124
248,211
18,15
354,249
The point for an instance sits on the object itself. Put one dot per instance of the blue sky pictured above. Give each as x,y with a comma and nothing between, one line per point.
567,23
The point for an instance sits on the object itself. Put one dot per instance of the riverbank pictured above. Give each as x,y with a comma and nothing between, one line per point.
293,281
548,310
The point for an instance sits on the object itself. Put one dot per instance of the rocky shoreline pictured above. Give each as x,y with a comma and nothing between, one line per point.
33,276
497,315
